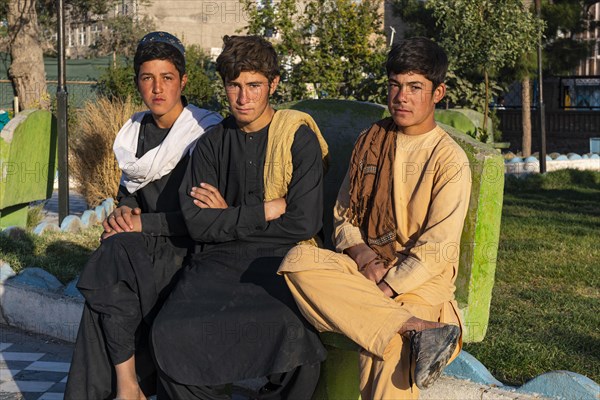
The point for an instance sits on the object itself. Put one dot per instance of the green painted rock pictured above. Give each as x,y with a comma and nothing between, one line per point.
465,120
27,161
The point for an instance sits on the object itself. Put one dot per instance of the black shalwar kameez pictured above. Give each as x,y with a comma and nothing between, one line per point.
230,316
126,280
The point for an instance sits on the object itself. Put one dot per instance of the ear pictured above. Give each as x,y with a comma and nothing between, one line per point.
184,79
439,93
274,84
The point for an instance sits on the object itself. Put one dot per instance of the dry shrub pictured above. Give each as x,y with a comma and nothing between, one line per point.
93,163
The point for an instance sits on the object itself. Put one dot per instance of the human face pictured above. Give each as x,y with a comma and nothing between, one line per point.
412,100
160,86
248,97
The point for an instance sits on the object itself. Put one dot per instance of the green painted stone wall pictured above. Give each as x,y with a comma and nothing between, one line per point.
341,121
27,164
457,120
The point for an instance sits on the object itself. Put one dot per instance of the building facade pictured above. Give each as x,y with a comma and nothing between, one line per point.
591,65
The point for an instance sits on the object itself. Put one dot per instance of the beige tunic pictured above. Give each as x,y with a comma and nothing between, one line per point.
431,192
432,184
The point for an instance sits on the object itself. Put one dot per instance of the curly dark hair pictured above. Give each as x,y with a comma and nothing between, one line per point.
247,53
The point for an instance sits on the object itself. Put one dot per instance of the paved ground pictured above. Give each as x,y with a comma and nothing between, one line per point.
35,367
77,206
32,366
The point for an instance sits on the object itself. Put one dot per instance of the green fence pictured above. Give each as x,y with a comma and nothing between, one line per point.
79,92
81,79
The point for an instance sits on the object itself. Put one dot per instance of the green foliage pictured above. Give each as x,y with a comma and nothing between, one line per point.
202,80
329,49
483,36
117,83
565,19
419,20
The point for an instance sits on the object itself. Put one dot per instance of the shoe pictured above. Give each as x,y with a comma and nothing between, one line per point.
432,348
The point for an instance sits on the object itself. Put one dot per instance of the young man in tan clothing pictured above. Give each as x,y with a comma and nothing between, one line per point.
397,226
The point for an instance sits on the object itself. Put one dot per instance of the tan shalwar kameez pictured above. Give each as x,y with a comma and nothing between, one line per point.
431,188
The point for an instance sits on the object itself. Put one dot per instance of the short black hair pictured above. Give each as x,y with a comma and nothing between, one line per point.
158,51
419,55
247,53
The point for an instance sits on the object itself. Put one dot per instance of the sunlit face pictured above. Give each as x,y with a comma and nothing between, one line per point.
160,86
248,96
412,100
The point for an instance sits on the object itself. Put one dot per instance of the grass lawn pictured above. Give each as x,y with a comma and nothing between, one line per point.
60,253
545,312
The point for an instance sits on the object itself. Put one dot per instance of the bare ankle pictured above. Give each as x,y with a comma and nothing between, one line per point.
417,324
130,392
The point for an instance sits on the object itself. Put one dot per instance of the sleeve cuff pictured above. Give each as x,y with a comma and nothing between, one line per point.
151,224
409,274
347,237
254,218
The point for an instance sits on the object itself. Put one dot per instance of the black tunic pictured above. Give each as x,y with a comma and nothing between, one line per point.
230,316
125,282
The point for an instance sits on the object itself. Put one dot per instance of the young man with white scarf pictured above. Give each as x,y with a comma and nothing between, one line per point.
145,239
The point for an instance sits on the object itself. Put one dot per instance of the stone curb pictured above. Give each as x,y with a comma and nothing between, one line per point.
518,166
41,311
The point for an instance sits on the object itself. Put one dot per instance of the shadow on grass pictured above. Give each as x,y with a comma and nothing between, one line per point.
65,259
62,257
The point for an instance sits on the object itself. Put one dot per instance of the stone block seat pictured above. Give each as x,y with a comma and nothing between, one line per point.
340,122
27,164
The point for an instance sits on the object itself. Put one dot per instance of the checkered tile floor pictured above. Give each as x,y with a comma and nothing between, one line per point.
32,367
33,375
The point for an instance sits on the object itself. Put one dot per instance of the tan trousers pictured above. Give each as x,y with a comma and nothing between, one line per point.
335,297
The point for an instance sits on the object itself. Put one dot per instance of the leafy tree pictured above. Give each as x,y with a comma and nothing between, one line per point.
485,35
202,84
117,82
329,48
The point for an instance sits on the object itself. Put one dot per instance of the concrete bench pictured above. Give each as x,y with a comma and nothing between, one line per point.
27,164
340,122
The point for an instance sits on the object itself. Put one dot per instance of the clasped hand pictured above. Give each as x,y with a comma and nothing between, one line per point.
122,219
371,266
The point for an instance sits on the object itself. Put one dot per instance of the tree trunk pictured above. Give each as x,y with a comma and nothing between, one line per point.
526,115
488,139
27,66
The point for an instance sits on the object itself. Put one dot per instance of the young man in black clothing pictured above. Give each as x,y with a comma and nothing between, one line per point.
252,191
145,239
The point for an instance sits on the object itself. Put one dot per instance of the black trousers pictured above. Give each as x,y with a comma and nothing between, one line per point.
124,284
298,384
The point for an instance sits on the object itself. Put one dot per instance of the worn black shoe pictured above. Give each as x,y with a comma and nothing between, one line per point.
432,348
